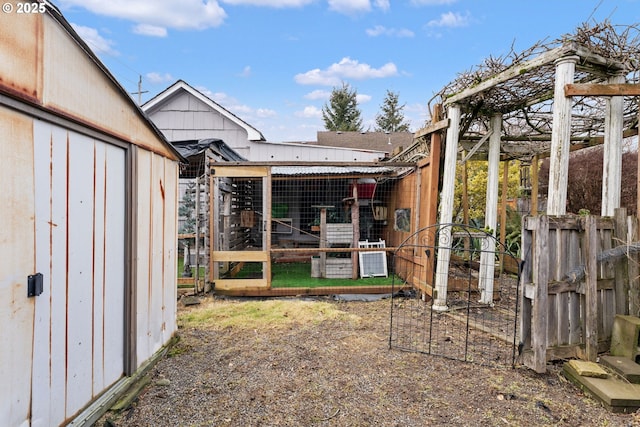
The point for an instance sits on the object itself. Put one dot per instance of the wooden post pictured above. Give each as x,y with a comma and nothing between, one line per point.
213,227
633,269
465,202
355,221
266,236
503,211
638,167
621,283
591,288
196,280
539,309
487,257
323,241
560,137
612,157
534,185
446,206
431,199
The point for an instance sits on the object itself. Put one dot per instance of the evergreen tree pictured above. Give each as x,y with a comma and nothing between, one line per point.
391,118
342,113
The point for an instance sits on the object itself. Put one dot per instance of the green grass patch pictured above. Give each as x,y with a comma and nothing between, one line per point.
193,268
298,275
259,314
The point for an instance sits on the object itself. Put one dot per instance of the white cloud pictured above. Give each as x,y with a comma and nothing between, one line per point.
96,42
270,3
380,30
431,2
246,72
264,113
318,94
362,99
183,15
309,112
150,30
243,111
382,4
156,78
347,68
451,20
349,7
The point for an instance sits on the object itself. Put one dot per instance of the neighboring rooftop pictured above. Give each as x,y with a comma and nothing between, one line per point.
377,141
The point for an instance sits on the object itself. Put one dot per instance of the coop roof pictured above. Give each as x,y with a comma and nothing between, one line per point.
197,151
332,170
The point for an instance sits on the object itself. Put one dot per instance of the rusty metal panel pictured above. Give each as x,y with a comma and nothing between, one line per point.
113,280
80,234
49,377
16,262
21,54
156,281
170,290
143,218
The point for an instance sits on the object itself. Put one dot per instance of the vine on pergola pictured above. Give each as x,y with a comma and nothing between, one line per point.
521,89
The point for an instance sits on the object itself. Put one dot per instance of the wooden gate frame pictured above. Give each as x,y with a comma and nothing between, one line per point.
217,254
544,274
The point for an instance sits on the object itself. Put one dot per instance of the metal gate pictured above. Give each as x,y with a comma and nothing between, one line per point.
470,326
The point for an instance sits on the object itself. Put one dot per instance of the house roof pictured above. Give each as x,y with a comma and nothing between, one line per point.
377,141
252,133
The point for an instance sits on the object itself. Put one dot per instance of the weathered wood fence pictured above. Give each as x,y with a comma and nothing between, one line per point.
565,315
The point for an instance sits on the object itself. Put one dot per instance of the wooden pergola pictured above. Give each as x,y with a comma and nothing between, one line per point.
548,101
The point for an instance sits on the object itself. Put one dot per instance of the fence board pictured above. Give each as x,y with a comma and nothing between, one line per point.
591,279
577,318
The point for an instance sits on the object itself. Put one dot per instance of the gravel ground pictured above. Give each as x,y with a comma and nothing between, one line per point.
327,363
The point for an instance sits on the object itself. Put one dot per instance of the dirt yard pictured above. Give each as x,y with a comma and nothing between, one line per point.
292,362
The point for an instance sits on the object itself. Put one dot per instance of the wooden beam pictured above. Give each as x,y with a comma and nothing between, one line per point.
533,210
511,72
612,89
433,127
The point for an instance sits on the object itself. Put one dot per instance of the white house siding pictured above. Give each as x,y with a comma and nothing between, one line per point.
183,117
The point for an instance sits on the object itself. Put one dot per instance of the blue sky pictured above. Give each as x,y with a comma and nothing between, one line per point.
274,62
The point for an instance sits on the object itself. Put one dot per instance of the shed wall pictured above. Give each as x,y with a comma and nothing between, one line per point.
17,236
74,154
156,266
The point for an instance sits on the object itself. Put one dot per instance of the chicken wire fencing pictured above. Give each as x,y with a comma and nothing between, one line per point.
477,318
322,226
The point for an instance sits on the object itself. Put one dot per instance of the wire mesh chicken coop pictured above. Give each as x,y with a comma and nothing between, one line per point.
282,229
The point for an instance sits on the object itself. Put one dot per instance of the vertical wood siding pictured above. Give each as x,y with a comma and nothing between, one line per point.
80,240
